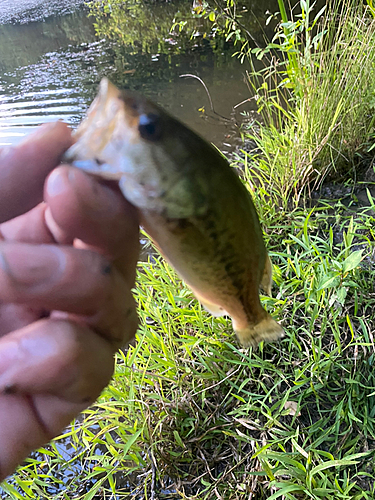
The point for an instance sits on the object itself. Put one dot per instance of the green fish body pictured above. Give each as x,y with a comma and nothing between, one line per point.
191,202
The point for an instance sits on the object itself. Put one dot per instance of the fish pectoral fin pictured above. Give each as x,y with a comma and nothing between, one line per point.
267,330
212,308
266,282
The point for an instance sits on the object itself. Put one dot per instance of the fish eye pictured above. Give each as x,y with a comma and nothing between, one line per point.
149,126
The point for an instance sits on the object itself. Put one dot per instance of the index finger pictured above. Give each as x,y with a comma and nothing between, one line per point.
23,168
98,215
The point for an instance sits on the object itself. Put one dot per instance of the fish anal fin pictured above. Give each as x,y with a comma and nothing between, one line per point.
212,308
266,282
267,329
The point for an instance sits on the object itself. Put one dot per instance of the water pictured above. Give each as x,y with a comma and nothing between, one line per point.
21,11
51,61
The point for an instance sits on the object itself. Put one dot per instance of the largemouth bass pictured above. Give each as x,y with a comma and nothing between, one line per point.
191,202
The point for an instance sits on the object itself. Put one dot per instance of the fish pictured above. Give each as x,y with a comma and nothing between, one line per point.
191,202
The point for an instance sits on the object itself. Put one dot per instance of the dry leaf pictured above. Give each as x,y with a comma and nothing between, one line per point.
292,406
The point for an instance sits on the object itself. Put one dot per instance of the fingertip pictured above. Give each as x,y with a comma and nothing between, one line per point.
95,212
24,168
58,132
66,178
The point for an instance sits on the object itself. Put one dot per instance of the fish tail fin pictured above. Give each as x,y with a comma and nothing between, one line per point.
267,329
266,282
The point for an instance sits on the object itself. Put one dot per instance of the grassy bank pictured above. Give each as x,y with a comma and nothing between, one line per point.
315,93
189,414
316,98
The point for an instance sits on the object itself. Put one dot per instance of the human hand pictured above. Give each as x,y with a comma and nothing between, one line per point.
66,270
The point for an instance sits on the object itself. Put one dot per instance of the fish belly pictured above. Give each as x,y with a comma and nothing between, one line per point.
225,279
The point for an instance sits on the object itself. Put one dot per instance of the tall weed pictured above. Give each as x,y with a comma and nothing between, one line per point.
316,97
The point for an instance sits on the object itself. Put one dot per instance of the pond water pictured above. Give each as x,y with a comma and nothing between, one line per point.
52,59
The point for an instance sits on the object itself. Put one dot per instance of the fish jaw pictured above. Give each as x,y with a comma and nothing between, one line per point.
102,141
104,125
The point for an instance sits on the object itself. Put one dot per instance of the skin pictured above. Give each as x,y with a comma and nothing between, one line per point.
67,266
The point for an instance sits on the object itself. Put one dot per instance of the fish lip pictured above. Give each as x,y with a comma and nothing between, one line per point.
92,167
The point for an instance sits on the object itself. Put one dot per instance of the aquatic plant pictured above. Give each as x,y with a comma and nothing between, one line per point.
145,26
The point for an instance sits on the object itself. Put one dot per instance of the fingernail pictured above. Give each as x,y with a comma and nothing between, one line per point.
33,265
57,183
72,175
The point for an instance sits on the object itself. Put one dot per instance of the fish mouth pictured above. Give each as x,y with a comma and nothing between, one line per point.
95,138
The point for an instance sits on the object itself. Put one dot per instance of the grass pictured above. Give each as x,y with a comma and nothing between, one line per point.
189,414
315,95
